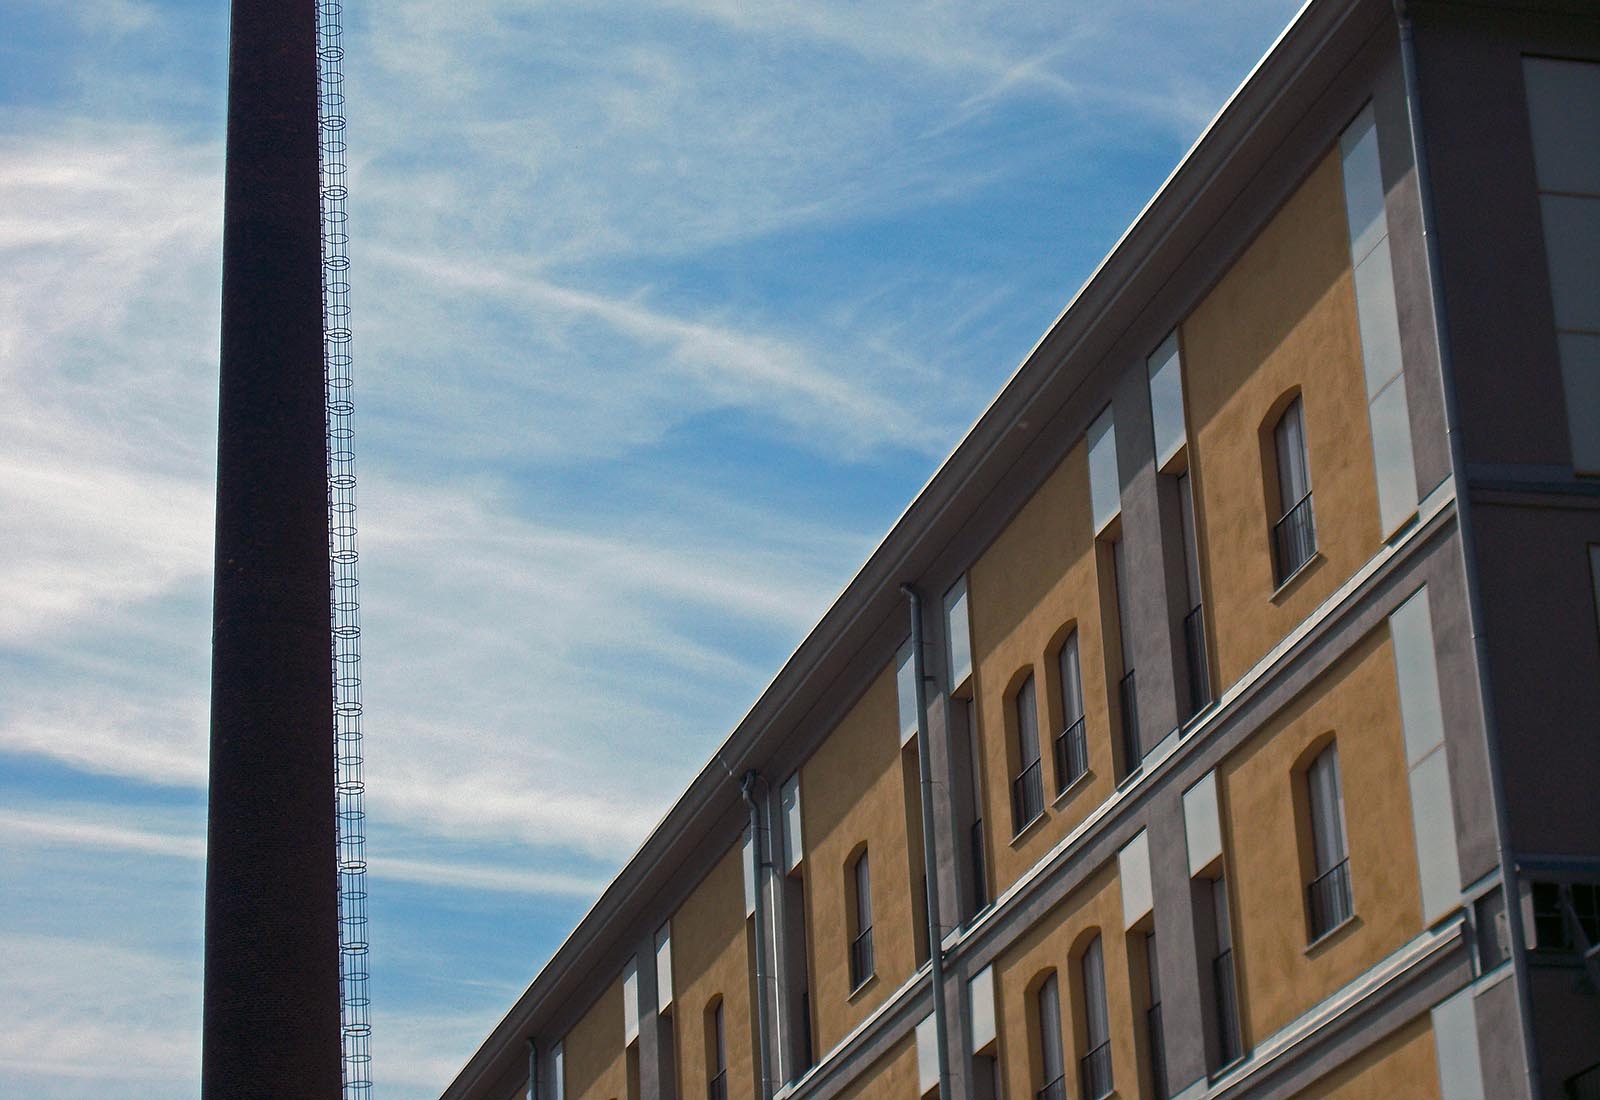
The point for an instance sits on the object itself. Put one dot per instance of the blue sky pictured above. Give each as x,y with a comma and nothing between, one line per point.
663,313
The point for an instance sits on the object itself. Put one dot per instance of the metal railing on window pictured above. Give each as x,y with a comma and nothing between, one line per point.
1158,1052
861,962
1094,1072
1328,899
1294,538
1027,797
1230,1044
1055,1090
980,869
717,1087
1194,643
1072,755
1128,693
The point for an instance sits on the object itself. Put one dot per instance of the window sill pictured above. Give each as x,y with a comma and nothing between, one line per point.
1029,827
866,983
1293,579
1071,790
1336,932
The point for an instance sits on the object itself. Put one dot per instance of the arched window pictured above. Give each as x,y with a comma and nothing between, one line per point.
862,965
1294,535
1051,1063
1095,1065
1328,898
1027,789
1072,746
716,1053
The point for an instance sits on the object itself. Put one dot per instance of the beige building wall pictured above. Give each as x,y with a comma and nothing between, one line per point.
853,793
1282,320
1056,943
711,958
1032,586
1266,833
892,1077
596,1062
1400,1065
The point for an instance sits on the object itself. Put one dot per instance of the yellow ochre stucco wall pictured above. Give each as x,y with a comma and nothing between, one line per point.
1266,837
1052,944
1283,317
711,957
852,792
892,1077
1401,1066
1034,579
596,1061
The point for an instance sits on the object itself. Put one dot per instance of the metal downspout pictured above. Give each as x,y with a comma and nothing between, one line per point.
1509,884
758,857
929,859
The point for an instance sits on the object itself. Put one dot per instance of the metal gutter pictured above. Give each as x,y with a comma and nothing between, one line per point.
930,868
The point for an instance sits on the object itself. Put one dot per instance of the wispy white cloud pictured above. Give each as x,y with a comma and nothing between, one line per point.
79,1011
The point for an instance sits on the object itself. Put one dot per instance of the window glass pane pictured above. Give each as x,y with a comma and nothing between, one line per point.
1096,1025
1289,436
1219,909
1166,399
1572,243
1153,968
1027,724
1580,370
1327,816
1050,1029
1564,110
1119,576
1071,680
1191,547
1105,483
863,895
959,633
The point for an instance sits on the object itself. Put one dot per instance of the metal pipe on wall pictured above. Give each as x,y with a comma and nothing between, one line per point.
930,860
758,872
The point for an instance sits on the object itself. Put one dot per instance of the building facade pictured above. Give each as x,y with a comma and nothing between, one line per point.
1225,711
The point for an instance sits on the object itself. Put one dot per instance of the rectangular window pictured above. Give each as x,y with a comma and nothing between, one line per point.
1166,400
1105,480
558,1072
862,964
717,1049
664,967
905,682
1127,693
1294,536
630,1002
794,846
1027,789
1230,1043
1072,746
1328,898
1051,1061
1564,115
1095,1066
1377,314
1194,621
958,635
1154,1034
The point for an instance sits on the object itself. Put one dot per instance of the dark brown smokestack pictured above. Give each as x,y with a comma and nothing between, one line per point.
271,1026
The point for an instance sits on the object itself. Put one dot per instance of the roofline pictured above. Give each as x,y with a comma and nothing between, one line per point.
716,783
